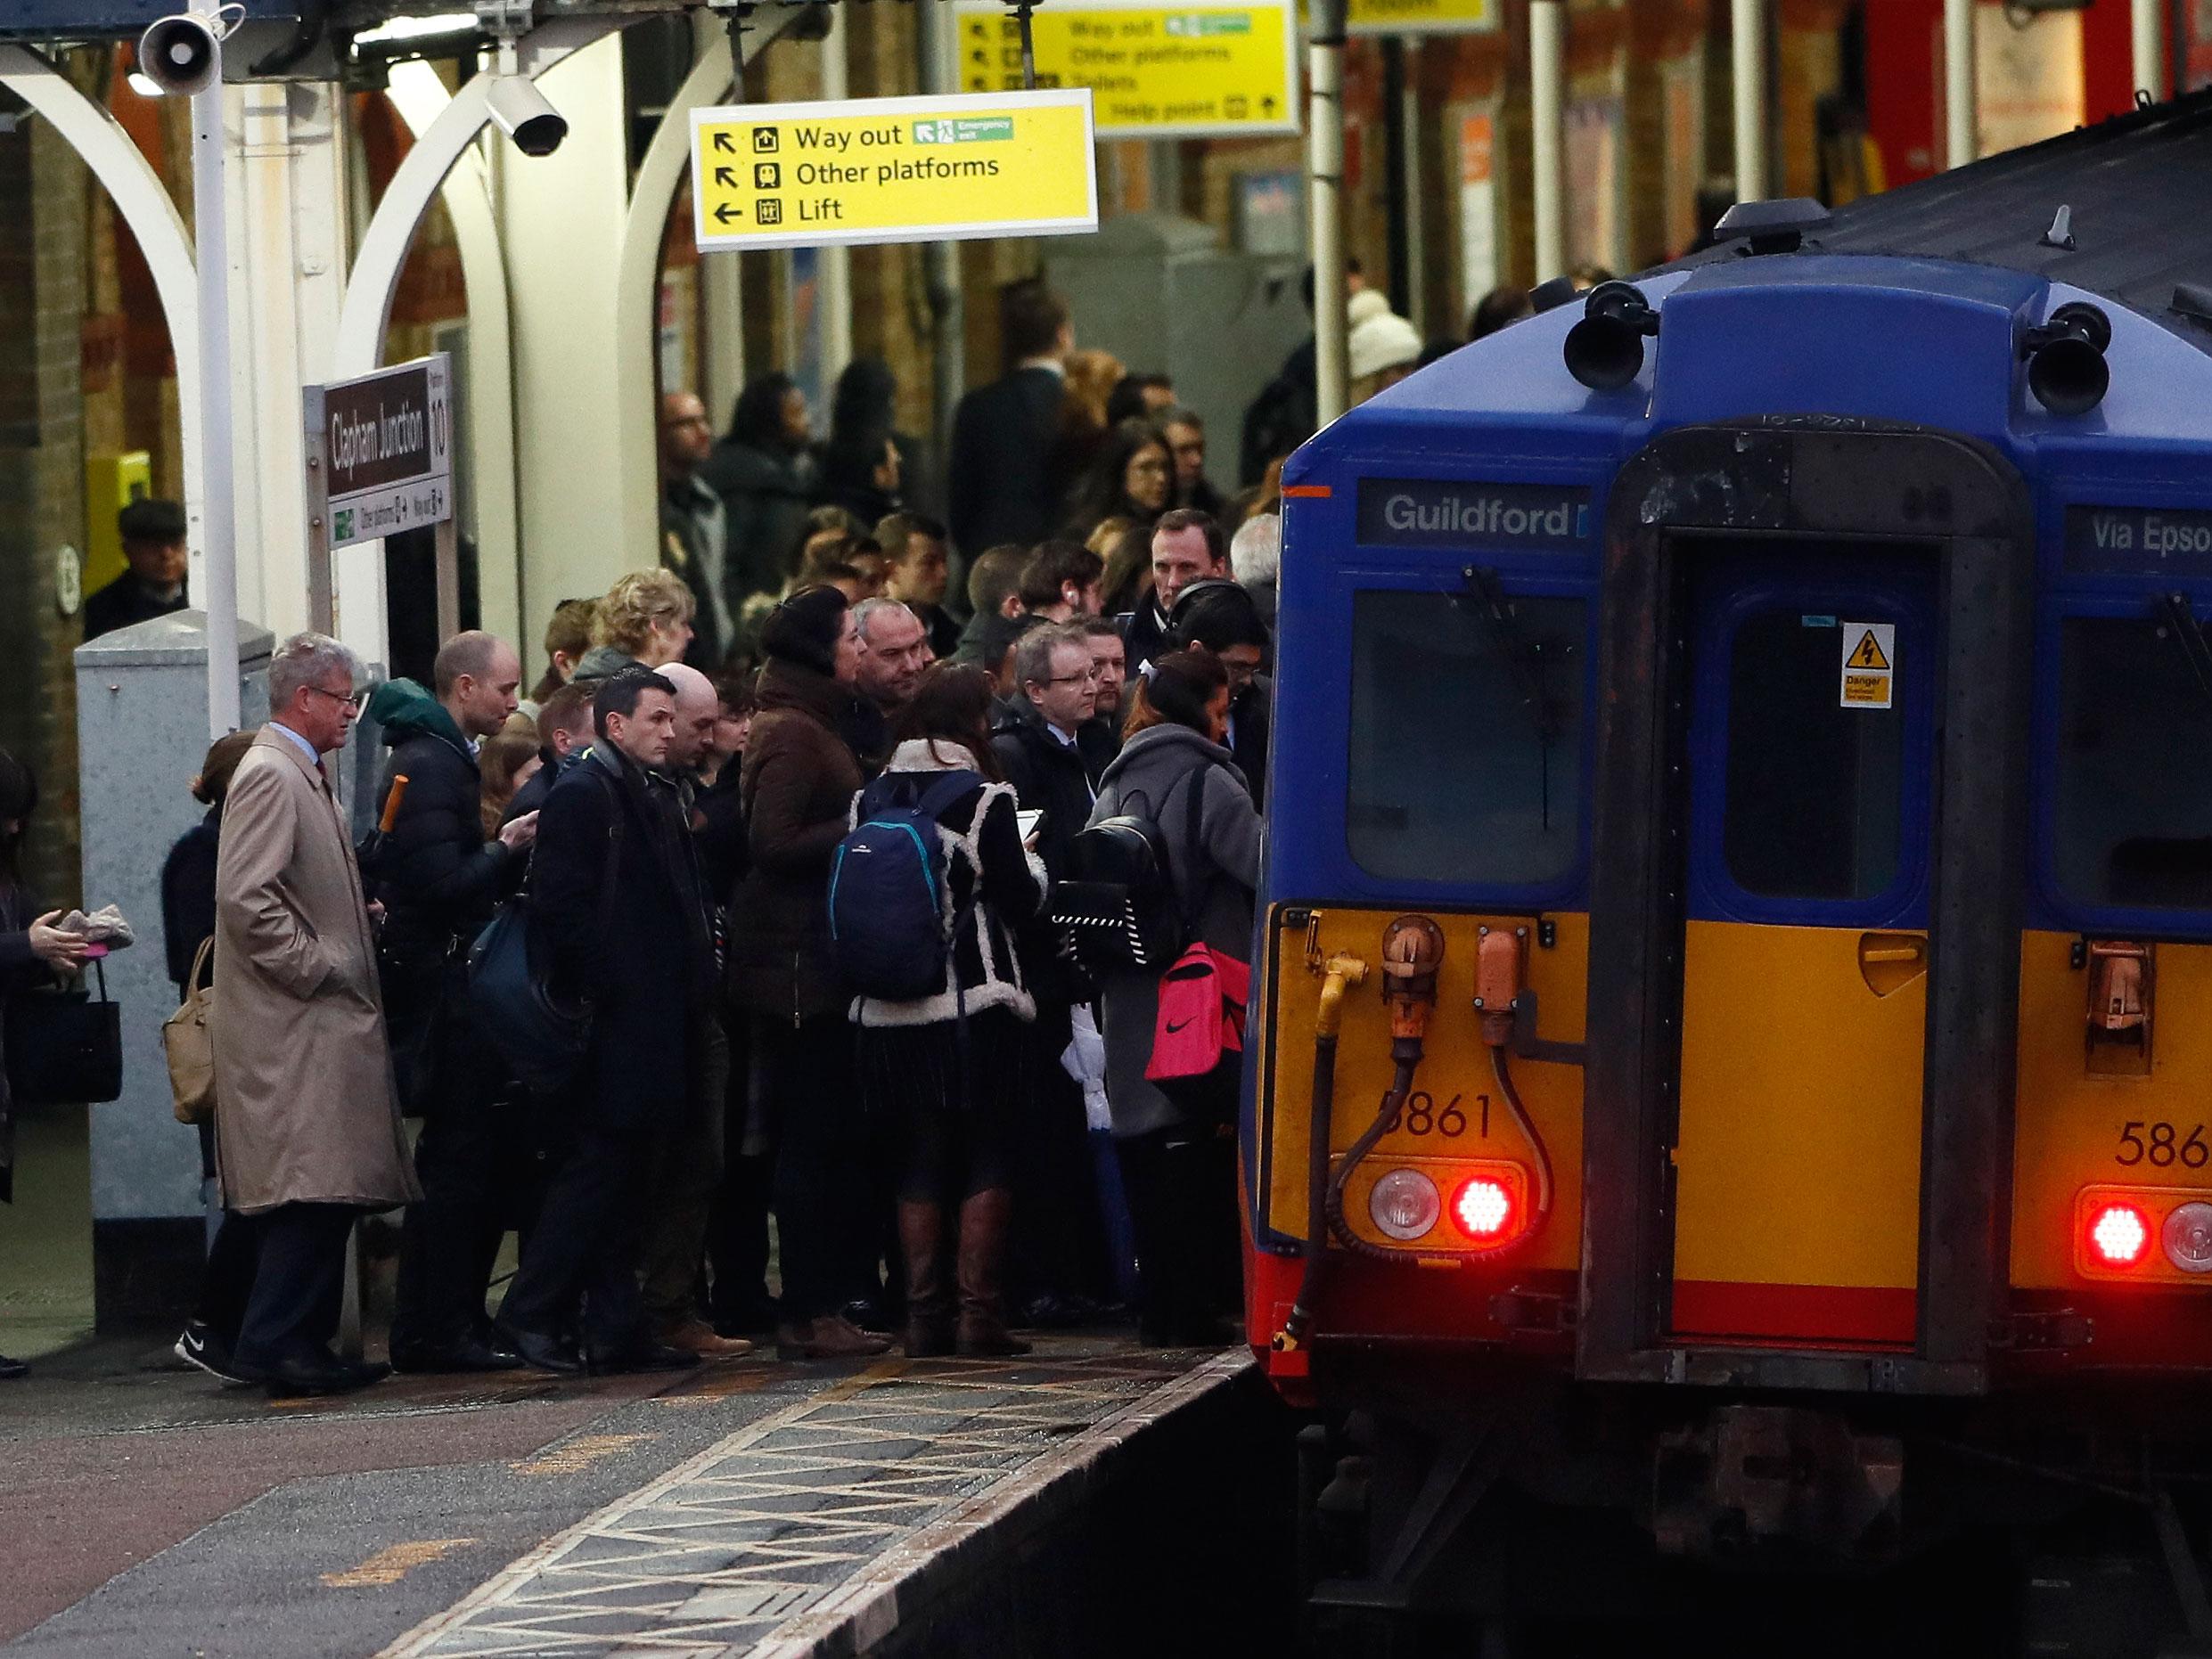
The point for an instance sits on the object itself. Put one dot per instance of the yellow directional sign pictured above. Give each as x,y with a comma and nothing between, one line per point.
1210,68
1421,17
893,170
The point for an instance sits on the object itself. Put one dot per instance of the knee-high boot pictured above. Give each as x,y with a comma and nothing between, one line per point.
928,1298
985,1224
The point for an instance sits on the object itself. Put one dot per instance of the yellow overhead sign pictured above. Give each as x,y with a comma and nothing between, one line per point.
1207,70
893,170
1421,17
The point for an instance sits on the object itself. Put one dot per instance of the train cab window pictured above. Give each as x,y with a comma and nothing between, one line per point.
1466,751
2133,820
1814,789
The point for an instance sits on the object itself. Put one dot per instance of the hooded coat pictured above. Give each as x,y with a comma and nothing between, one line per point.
306,1112
438,876
1152,777
797,785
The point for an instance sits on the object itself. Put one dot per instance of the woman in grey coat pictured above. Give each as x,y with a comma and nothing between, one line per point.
1181,1175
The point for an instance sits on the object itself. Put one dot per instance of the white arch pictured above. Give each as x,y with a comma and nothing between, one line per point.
420,96
643,229
145,206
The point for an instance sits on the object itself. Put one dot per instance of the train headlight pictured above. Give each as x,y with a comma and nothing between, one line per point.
1483,1209
2118,1235
2187,1238
1404,1204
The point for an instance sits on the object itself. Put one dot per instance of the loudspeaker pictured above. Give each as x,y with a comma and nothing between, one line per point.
181,54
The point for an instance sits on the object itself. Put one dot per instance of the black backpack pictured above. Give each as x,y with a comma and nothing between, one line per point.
1118,908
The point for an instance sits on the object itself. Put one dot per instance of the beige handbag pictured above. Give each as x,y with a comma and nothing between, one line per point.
190,1046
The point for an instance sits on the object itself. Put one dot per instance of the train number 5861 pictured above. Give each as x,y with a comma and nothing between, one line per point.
2161,1144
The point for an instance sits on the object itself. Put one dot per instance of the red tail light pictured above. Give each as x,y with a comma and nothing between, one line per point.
1485,1210
2118,1235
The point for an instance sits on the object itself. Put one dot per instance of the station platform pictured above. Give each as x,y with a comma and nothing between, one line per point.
750,1507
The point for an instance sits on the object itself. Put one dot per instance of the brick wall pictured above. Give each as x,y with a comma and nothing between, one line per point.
44,198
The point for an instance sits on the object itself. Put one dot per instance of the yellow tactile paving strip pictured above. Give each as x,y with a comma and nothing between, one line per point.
724,1551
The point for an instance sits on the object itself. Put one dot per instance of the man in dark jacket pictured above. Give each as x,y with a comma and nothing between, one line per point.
1003,433
439,879
619,899
153,545
1187,546
1053,753
1221,617
564,732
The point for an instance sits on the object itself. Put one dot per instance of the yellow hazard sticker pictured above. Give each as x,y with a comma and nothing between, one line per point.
1869,658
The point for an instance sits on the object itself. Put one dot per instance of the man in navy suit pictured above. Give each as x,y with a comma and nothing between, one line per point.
996,482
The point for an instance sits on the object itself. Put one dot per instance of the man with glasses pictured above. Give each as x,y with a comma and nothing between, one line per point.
308,1134
694,527
1221,617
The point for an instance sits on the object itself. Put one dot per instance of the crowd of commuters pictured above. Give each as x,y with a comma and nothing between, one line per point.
748,1142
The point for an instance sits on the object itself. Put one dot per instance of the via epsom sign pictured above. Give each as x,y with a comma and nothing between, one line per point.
380,461
1415,512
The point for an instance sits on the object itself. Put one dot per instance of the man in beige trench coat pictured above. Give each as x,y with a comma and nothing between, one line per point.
307,1133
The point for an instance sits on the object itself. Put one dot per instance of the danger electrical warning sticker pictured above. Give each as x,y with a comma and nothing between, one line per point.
1869,658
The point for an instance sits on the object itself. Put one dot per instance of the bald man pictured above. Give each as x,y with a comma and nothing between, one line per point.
441,878
691,1160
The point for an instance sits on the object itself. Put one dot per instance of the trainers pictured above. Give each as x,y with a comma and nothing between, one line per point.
200,1346
829,1337
697,1337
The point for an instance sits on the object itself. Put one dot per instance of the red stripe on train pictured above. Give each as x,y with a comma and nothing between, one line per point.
1794,1312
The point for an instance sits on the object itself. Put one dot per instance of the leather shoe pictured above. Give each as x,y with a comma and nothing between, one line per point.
472,1352
869,1314
541,1351
637,1356
829,1337
301,1373
697,1337
13,1368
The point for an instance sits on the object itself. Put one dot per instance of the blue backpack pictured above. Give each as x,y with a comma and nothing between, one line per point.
887,918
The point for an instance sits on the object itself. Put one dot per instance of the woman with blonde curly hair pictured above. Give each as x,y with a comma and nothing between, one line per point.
646,618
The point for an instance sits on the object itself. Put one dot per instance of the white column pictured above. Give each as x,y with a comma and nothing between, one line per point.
2147,31
1415,205
1324,169
287,184
561,219
1547,98
836,261
1961,138
1748,51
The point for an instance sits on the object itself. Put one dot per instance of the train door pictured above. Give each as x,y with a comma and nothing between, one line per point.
1811,682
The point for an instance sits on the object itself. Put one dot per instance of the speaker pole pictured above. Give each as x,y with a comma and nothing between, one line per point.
218,504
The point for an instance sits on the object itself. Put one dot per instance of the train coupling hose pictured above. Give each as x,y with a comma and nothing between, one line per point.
1342,972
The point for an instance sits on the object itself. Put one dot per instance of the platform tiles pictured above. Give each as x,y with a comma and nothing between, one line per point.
813,1517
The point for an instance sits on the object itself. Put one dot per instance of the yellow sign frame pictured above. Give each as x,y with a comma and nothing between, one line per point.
1041,176
1423,17
1263,51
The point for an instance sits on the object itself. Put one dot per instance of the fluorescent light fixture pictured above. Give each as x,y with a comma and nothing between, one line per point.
398,29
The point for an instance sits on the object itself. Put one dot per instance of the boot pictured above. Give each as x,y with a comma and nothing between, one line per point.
929,1299
984,1220
827,1337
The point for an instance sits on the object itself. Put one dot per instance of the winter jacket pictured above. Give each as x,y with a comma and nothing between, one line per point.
188,895
1057,779
438,875
983,856
797,786
1152,778
764,498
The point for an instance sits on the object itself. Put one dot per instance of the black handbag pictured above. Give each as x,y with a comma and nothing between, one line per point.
63,1048
1119,907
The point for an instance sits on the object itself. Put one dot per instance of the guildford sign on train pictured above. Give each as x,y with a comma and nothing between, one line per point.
1414,513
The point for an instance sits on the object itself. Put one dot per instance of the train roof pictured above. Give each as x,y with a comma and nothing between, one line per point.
2138,188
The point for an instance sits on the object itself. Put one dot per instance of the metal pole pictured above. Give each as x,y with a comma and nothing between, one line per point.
836,259
219,508
1961,138
1748,49
949,310
1326,169
1412,203
2148,28
1547,86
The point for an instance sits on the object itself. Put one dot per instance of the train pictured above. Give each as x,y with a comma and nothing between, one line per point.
1730,1050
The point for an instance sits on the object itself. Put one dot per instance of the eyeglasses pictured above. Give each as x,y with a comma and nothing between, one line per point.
352,701
1092,675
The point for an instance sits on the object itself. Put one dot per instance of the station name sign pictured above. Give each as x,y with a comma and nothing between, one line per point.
384,443
1413,512
2139,540
893,170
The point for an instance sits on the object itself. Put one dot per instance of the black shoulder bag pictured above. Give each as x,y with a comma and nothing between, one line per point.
63,1047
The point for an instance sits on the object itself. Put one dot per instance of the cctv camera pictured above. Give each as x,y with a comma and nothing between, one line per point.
181,53
525,115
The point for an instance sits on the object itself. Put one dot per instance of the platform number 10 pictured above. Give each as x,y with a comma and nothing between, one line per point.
2158,1148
